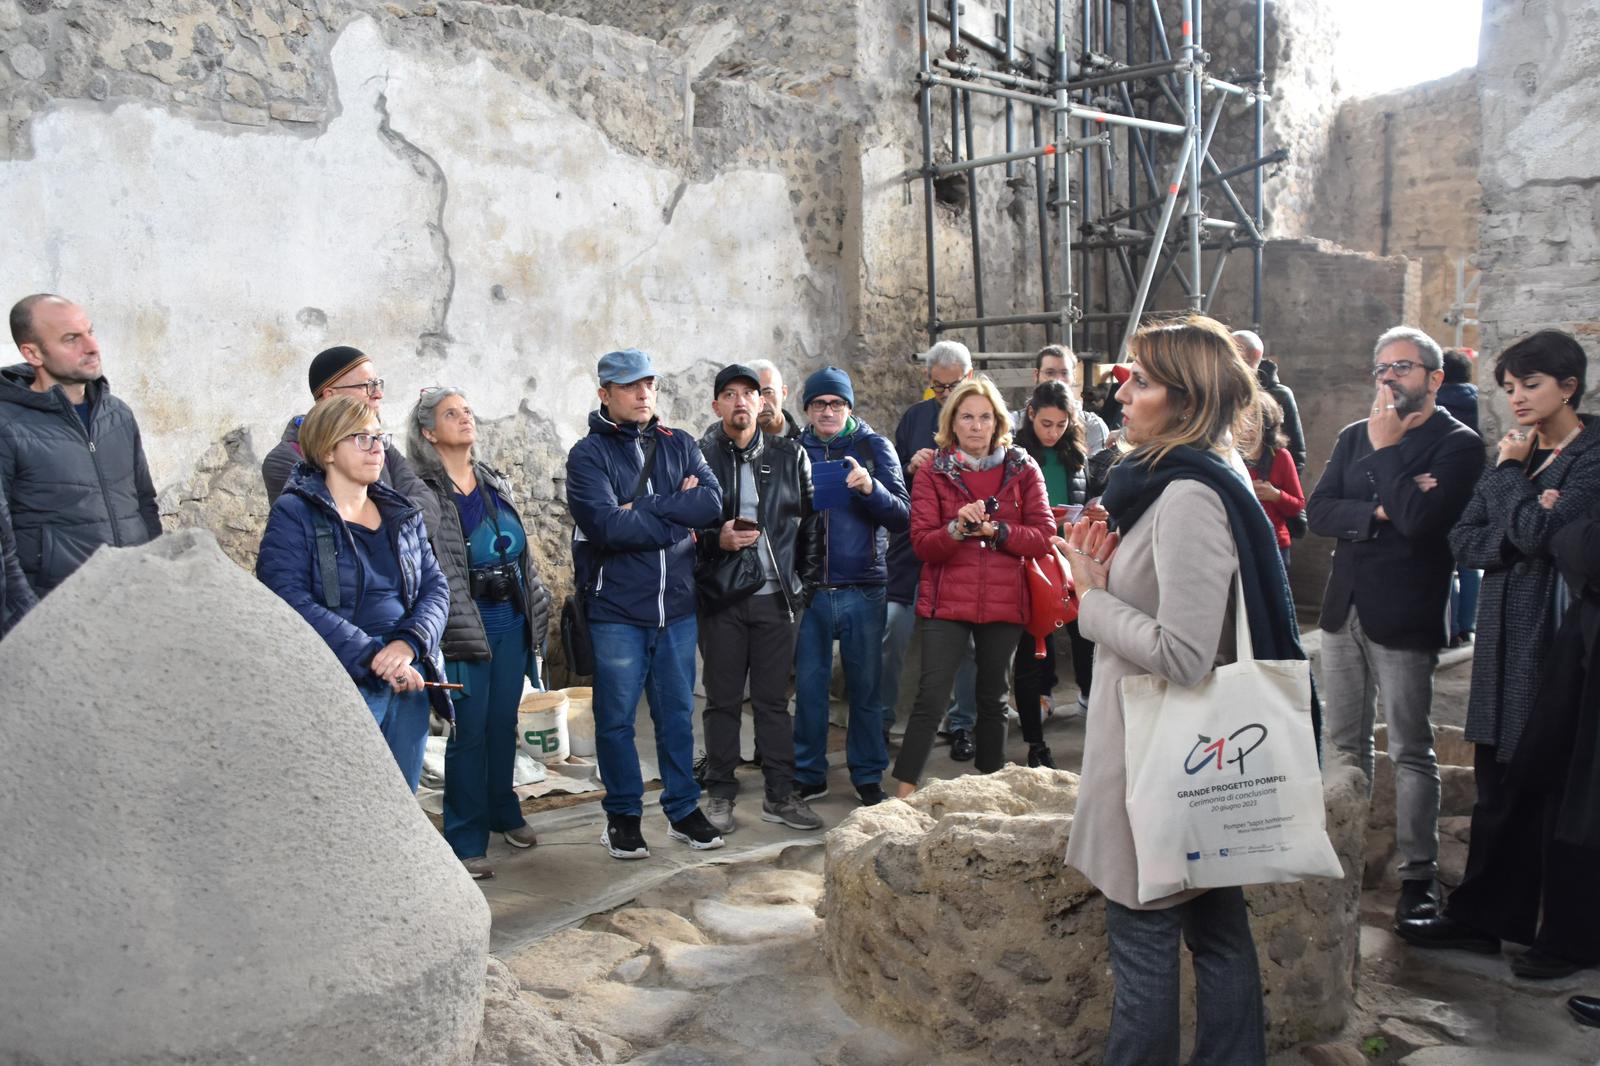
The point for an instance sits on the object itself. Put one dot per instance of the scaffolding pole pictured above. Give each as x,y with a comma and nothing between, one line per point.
1139,243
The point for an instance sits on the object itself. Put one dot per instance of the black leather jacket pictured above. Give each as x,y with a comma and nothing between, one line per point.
464,638
792,530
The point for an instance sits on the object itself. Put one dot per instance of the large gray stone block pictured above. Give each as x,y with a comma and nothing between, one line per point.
210,855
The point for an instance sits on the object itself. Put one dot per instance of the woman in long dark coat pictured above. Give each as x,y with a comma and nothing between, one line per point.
1520,885
1559,757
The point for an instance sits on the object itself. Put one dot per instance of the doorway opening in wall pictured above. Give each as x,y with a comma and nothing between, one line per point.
1384,45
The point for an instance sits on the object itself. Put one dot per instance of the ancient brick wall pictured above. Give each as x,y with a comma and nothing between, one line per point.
1432,134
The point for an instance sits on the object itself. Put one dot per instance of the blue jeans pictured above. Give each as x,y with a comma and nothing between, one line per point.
963,712
402,718
481,754
855,616
658,663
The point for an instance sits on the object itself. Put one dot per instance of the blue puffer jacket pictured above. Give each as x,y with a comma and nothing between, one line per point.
639,561
856,538
289,566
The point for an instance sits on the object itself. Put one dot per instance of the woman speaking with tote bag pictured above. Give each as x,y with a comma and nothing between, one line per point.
1164,606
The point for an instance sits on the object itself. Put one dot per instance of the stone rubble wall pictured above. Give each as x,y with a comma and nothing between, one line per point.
1539,235
1435,200
952,916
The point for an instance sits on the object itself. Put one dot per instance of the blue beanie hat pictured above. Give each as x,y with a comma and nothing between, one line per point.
829,381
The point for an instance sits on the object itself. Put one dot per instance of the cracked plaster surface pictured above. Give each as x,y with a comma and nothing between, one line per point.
447,209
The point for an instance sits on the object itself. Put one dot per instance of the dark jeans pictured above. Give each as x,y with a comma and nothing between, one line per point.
943,642
1230,1026
482,750
1082,658
754,638
854,615
658,663
1516,868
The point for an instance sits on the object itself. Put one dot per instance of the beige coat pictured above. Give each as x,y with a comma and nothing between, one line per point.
1168,611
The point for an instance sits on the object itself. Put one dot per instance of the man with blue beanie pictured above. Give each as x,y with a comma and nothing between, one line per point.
849,603
637,490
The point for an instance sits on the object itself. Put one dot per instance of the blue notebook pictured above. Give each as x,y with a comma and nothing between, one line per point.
827,484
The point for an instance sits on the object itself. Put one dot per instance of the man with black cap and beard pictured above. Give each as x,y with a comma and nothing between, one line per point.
751,573
340,371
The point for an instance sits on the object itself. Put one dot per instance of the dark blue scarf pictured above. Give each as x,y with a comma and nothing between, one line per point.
1274,631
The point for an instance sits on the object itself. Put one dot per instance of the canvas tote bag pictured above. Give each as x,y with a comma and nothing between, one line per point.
1223,782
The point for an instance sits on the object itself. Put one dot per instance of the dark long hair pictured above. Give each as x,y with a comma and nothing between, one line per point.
1071,448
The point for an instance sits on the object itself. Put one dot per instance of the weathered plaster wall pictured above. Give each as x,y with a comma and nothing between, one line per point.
1435,199
474,194
1540,171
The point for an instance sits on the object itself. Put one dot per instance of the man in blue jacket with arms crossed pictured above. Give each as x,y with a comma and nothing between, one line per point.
636,489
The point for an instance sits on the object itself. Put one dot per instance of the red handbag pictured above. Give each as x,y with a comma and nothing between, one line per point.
1052,599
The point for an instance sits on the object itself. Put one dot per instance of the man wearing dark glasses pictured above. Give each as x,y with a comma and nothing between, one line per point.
340,371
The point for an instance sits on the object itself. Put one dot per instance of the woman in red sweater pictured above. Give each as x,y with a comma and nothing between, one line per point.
977,514
1272,470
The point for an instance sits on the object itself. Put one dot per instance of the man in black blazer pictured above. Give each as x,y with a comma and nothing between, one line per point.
1396,483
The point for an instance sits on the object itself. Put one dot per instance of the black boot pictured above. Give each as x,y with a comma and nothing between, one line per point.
1039,755
1418,899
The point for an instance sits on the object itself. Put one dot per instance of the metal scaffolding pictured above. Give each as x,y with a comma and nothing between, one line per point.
1162,227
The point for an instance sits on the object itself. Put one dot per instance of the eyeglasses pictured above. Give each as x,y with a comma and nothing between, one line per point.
374,388
1401,368
941,389
820,406
426,389
367,442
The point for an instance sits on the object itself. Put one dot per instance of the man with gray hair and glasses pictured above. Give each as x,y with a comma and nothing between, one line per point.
774,419
948,364
1396,483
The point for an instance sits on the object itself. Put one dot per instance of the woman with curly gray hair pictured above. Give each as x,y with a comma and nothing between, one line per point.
499,613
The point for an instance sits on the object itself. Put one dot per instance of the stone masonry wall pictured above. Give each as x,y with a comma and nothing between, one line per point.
1540,171
1435,199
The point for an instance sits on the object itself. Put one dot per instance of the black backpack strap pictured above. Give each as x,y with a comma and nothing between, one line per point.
327,559
865,457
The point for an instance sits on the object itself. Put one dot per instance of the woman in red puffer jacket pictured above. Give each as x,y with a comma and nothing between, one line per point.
978,513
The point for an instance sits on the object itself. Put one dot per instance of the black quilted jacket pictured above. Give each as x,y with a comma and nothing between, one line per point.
71,490
464,638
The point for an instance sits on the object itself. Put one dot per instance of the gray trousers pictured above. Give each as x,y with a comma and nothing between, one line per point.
1230,1026
1355,669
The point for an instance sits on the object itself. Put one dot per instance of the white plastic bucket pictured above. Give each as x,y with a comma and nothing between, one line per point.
580,720
542,726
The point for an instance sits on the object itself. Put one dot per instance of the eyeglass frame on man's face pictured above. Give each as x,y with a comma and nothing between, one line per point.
373,388
382,439
1380,369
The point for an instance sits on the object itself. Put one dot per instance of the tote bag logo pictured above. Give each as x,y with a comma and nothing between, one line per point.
1212,754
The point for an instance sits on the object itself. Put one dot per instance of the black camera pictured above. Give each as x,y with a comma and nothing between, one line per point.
494,584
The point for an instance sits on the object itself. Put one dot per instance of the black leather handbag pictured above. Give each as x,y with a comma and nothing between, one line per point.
729,578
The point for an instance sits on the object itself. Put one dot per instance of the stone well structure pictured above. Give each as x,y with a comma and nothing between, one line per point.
953,916
210,855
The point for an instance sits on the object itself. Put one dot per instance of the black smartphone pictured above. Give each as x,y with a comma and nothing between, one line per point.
746,524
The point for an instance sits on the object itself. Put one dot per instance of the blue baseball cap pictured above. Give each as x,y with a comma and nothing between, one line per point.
624,367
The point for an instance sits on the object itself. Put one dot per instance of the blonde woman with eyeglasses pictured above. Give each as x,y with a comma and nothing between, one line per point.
351,555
